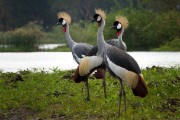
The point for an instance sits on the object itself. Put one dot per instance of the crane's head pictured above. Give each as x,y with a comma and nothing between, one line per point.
120,23
63,19
100,14
117,25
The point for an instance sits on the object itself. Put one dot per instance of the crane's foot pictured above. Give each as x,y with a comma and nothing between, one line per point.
87,99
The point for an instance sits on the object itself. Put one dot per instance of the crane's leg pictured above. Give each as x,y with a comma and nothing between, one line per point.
121,93
104,82
87,87
124,94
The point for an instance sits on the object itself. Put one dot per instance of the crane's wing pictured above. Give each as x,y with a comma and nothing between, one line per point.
80,50
94,49
113,42
121,64
122,59
89,63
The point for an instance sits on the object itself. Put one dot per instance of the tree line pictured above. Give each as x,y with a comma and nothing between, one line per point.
17,13
152,24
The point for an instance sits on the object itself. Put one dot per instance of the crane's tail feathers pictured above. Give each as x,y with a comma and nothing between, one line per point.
78,78
140,89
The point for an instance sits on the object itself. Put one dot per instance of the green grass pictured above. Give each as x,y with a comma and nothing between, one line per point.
37,94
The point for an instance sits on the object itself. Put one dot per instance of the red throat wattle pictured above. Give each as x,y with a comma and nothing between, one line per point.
99,24
64,29
118,33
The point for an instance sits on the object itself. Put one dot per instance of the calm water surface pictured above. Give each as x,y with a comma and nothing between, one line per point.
12,62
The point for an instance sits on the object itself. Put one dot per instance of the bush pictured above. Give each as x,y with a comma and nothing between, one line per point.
173,45
23,39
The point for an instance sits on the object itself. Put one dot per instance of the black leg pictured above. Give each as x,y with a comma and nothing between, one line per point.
122,93
87,87
82,89
104,83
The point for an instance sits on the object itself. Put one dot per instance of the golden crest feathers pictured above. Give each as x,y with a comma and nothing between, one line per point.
101,13
65,16
123,20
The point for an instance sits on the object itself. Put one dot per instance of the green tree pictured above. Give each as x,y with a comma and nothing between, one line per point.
17,13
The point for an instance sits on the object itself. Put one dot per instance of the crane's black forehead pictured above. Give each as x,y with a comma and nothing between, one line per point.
116,23
95,16
60,19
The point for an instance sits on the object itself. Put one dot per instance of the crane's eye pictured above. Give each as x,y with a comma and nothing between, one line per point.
99,18
64,22
119,26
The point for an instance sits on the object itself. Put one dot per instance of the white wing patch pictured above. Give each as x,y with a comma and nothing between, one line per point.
79,59
88,63
83,56
129,77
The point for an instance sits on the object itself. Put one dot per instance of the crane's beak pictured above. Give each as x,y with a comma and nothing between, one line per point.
92,20
58,23
112,27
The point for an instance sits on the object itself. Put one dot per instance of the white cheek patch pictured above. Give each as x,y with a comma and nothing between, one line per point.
63,22
119,26
99,18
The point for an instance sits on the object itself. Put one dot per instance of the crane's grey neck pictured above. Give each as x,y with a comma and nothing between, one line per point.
100,36
69,40
121,34
122,45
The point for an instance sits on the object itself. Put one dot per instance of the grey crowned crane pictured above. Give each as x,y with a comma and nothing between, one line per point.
119,64
119,43
78,50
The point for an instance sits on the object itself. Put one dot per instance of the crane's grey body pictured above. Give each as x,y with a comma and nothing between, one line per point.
114,42
120,58
117,56
78,50
119,63
116,61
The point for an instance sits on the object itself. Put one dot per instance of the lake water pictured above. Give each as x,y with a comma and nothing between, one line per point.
12,62
49,46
